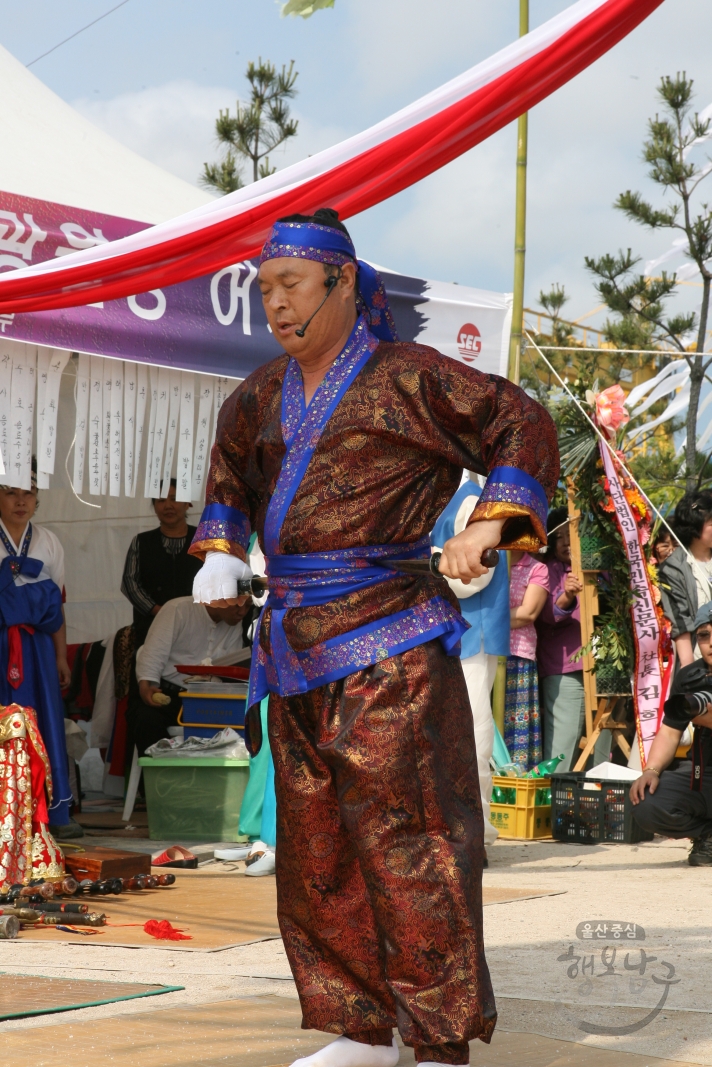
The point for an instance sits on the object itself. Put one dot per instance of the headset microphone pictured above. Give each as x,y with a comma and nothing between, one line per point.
329,283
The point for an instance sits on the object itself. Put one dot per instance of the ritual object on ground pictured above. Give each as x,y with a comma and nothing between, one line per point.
9,927
99,863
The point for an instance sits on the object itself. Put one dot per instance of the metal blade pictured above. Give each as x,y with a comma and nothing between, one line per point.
410,566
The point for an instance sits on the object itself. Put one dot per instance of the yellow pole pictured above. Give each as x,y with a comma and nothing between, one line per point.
515,342
520,225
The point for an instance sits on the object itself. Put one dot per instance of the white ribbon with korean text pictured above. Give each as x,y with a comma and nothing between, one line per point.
647,683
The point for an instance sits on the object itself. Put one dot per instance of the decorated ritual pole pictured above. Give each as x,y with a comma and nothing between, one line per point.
515,342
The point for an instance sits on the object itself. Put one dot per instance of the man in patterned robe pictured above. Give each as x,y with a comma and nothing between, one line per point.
342,453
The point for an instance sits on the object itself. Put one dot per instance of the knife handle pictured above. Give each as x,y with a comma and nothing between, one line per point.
489,558
255,586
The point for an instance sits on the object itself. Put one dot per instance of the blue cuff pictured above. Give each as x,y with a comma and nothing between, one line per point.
509,485
219,522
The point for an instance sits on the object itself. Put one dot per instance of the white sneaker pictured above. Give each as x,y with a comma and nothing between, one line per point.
240,852
260,861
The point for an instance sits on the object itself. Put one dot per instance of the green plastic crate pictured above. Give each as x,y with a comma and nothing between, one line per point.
194,799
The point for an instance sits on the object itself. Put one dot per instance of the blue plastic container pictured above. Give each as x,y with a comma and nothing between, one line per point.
204,714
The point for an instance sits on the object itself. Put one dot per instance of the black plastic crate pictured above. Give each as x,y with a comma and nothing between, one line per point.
587,816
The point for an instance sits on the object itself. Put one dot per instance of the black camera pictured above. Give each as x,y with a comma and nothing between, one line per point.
682,708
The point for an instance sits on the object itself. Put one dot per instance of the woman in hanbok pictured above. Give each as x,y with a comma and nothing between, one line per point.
33,641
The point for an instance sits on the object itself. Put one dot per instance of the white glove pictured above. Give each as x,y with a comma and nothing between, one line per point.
476,585
218,577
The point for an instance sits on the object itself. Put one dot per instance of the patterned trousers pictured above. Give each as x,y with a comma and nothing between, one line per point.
379,855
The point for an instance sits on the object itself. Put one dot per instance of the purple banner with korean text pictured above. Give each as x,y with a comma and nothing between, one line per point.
216,324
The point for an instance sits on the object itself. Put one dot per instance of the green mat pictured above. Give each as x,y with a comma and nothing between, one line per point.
30,994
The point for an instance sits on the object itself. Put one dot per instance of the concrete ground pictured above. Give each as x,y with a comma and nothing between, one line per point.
595,1000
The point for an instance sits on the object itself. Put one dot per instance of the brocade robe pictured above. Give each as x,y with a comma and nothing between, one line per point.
387,462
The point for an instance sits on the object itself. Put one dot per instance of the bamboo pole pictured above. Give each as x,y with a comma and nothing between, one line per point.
520,225
515,342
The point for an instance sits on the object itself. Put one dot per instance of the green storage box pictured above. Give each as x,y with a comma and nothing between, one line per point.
194,799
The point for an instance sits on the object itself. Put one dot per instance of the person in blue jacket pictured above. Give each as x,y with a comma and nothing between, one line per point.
484,603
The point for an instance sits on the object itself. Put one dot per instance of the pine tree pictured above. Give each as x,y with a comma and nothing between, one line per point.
640,301
256,128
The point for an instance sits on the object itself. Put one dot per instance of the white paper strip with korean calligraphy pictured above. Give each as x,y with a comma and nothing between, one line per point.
47,437
96,425
141,399
171,431
130,370
184,465
151,431
6,349
43,358
81,420
22,413
106,424
159,433
117,418
202,436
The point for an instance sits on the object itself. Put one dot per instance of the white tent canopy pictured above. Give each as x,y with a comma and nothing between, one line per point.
52,153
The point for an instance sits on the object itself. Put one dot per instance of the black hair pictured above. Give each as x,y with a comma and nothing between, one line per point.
691,513
174,485
663,534
556,518
323,216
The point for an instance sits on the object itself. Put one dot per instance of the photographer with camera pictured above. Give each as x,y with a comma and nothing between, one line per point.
674,797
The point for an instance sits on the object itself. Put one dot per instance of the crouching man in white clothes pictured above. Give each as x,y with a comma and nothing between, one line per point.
484,603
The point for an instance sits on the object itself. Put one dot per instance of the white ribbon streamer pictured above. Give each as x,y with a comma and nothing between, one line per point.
171,431
130,386
96,425
184,466
5,394
22,415
151,432
117,419
83,386
202,436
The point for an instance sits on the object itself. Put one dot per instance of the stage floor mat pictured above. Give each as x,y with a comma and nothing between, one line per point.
259,1032
23,995
218,909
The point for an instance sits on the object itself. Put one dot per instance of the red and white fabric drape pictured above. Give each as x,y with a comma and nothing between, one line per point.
352,176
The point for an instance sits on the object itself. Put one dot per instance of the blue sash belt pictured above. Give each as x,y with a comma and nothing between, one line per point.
317,578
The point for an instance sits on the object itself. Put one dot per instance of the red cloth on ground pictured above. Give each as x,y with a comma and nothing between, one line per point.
162,929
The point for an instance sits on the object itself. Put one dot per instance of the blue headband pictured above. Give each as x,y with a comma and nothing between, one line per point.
309,240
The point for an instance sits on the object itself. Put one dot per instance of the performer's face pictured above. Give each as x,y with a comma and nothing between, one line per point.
292,290
17,506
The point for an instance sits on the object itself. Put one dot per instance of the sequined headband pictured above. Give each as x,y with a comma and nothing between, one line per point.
324,244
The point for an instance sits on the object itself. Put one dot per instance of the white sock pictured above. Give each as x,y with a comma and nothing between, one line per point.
431,1063
347,1053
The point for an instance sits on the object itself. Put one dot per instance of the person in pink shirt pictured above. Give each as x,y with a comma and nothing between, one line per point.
528,590
559,642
